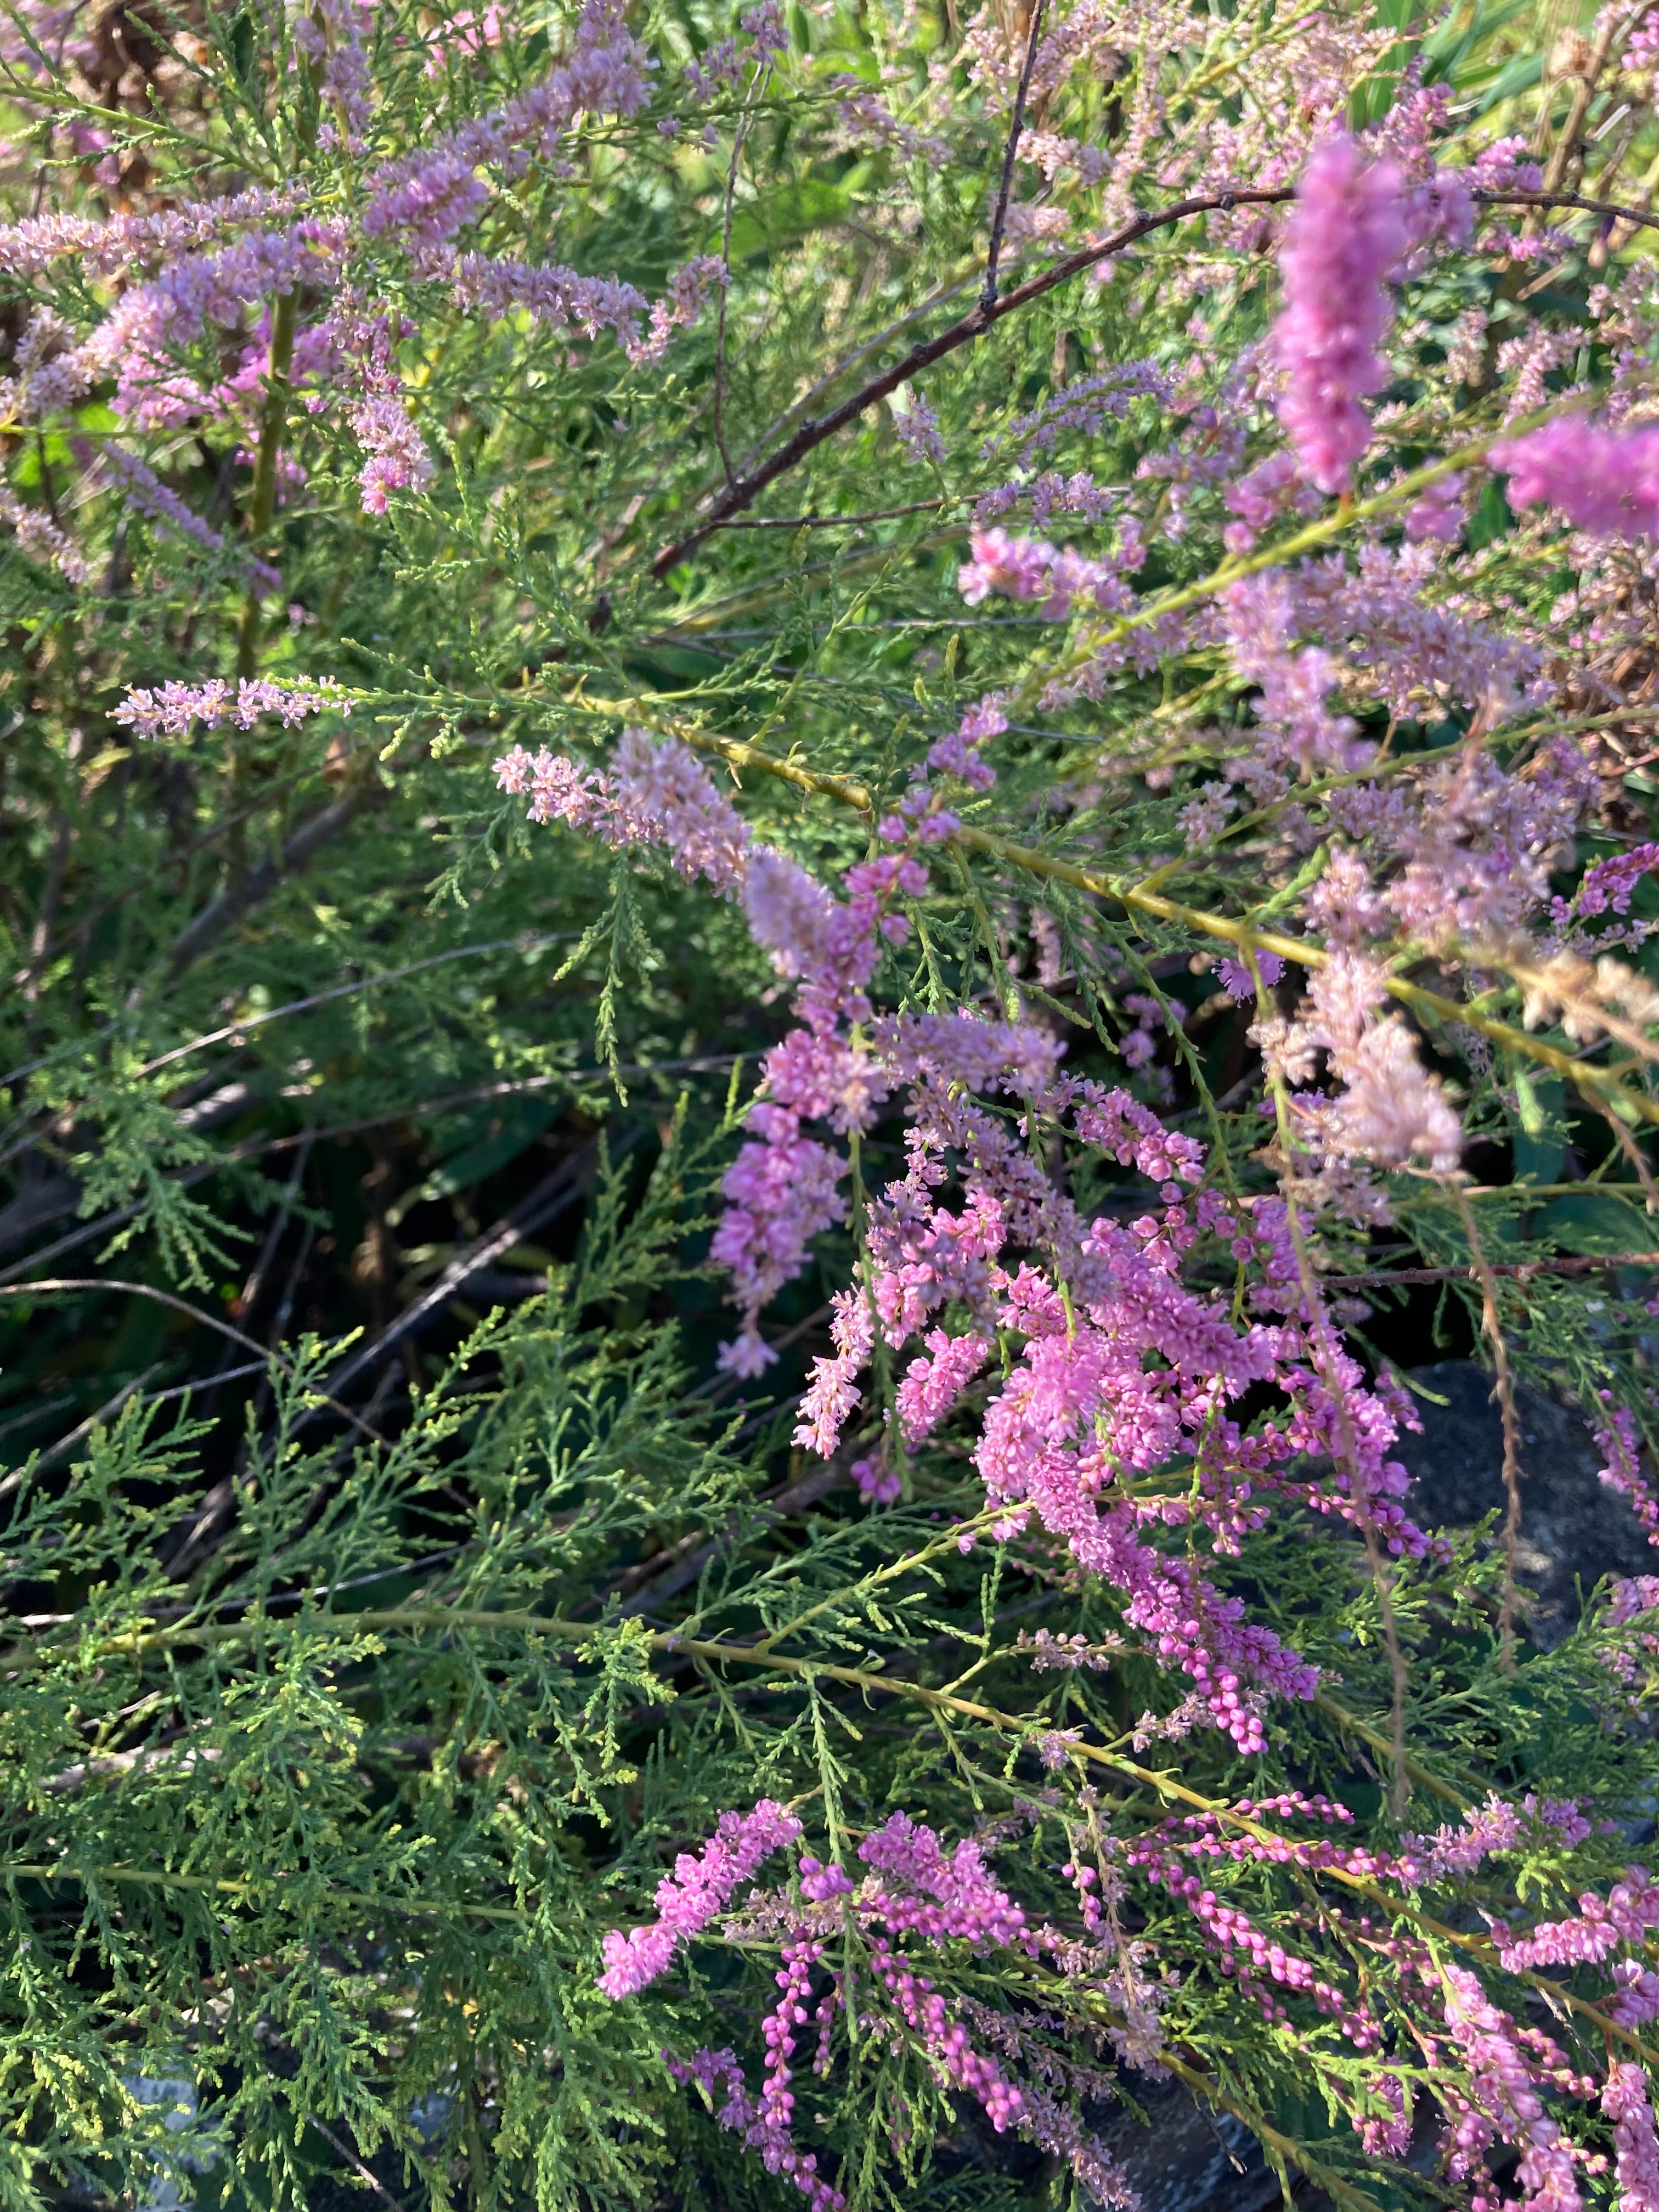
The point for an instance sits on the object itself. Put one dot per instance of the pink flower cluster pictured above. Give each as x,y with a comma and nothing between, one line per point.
144,490
652,794
1600,1927
919,432
1642,51
431,194
727,64
697,1891
939,1897
1506,2101
1345,235
1080,409
1604,480
41,540
1626,2102
1622,1470
1082,1411
1630,1597
1456,1853
560,297
395,455
916,1894
1608,885
110,245
467,34
759,2125
221,260
1253,1959
174,708
779,1190
1391,1110
1031,568
1260,621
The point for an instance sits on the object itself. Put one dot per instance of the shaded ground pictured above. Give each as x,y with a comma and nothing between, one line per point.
1573,1528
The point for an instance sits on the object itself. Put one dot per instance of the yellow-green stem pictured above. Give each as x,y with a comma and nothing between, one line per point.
871,1684
1243,935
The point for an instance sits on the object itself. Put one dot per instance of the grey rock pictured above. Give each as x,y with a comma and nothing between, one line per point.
1573,1528
1187,2159
195,2149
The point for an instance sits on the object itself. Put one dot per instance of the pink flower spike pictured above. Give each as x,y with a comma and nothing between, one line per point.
1347,234
1627,2104
697,1891
1604,480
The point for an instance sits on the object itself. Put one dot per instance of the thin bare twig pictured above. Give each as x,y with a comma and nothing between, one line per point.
817,428
1614,28
253,1287
259,1147
829,521
665,1578
718,1063
812,433
1633,1152
359,2166
738,138
225,1375
848,362
987,297
66,1445
1520,1271
1503,1391
534,1210
524,943
222,913
116,1218
53,1283
51,897
262,507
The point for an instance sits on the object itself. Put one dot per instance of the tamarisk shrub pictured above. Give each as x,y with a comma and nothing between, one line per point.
815,819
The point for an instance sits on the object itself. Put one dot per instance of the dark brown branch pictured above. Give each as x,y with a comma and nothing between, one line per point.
987,297
663,1579
1613,28
91,1282
830,521
549,1198
1613,208
223,912
814,432
364,2172
979,319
